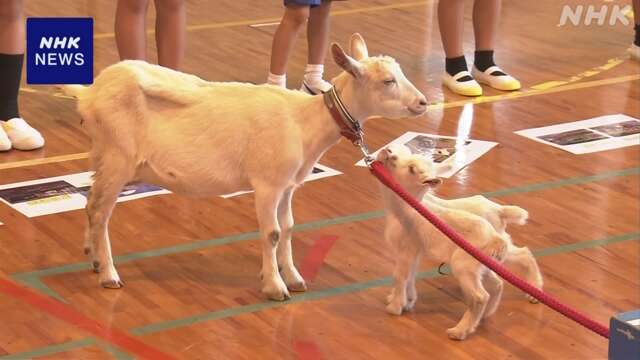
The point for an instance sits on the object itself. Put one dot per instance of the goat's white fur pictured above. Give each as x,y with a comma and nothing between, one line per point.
479,220
152,124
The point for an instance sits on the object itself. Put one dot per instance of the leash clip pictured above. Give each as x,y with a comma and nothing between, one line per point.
368,159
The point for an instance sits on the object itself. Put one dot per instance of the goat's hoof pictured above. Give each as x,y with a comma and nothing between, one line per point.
299,286
532,299
390,297
281,296
112,284
277,291
394,309
411,303
457,334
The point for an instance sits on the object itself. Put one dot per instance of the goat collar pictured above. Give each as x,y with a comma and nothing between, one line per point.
349,127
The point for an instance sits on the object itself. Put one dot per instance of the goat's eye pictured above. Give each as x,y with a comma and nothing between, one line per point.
389,82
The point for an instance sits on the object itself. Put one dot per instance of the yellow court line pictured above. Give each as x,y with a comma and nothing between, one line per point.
228,24
610,64
478,100
42,161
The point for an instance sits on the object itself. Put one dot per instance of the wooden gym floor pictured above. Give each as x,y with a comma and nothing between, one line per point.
191,266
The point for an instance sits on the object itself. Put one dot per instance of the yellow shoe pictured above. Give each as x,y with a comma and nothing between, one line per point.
466,87
22,136
501,82
5,143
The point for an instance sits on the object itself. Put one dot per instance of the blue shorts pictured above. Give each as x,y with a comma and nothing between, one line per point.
311,3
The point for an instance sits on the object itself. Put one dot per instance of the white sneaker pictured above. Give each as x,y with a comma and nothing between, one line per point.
317,89
5,143
23,136
500,82
634,51
466,88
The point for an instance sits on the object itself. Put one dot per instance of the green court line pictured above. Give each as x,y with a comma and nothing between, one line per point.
351,288
115,352
308,296
33,279
51,349
182,248
565,182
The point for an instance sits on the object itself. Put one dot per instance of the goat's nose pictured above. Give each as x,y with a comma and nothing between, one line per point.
423,102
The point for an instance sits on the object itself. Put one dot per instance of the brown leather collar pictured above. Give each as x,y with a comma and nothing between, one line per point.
349,127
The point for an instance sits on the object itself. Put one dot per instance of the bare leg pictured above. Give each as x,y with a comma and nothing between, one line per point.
318,32
130,29
290,274
451,22
295,16
267,200
486,14
170,32
12,27
469,274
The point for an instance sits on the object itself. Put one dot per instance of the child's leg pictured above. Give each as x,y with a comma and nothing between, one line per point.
14,131
451,23
635,47
486,14
295,16
130,29
170,32
318,39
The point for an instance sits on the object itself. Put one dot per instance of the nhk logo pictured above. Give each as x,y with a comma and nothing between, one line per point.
59,50
57,58
589,14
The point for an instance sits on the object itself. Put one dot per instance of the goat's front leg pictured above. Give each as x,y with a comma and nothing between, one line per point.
100,204
290,274
468,272
412,293
401,278
267,200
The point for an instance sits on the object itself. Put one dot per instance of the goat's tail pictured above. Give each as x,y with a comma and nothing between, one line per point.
513,215
73,90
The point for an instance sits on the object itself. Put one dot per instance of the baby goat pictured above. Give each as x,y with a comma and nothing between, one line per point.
155,125
479,220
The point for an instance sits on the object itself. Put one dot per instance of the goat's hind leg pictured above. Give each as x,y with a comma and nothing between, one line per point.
523,258
468,272
494,286
109,181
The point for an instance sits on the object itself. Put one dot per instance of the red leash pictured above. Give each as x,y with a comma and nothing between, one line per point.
383,175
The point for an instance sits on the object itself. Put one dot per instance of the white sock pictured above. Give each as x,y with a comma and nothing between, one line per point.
313,74
277,80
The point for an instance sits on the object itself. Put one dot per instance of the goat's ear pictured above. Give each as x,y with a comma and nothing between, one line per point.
358,48
346,62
